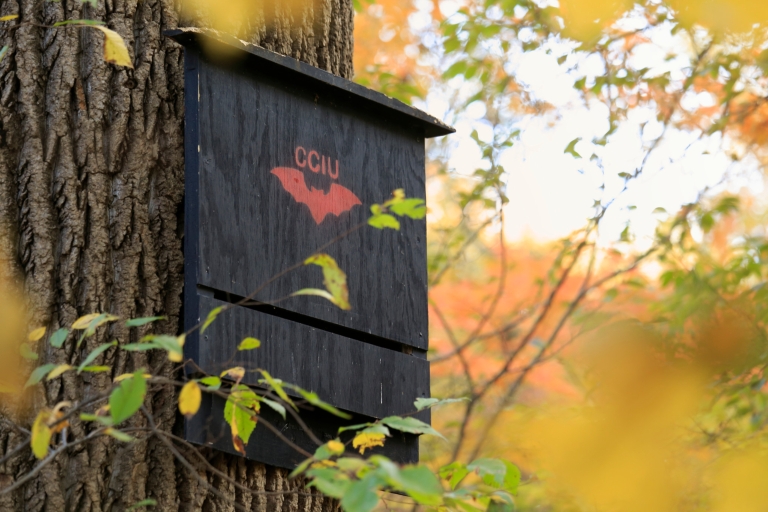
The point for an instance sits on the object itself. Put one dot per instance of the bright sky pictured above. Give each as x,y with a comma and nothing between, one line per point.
551,193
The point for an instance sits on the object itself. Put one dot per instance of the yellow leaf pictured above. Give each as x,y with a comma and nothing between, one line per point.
249,344
84,321
58,371
57,414
365,440
236,441
189,399
115,50
9,17
41,434
129,376
335,280
323,464
336,447
36,334
212,314
175,357
236,373
175,354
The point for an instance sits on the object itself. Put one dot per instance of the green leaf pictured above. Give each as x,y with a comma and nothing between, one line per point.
38,373
171,344
212,382
211,317
428,403
497,506
354,427
512,477
334,279
571,148
104,420
249,344
422,485
301,467
120,436
97,369
312,398
351,464
410,425
274,406
330,482
27,353
360,497
454,473
277,386
142,503
377,428
239,412
126,399
384,220
492,471
77,22
140,347
323,452
94,354
455,69
413,208
138,322
58,338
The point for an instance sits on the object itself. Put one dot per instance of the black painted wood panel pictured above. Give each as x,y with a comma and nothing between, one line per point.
282,158
251,228
350,374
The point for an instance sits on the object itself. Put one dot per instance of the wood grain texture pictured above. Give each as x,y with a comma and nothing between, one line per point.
350,374
251,228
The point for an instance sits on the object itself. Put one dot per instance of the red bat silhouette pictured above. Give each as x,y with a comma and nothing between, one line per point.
337,201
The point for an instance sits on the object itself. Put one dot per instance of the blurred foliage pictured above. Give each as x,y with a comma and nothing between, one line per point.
620,373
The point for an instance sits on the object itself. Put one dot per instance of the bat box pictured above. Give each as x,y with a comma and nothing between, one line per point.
281,160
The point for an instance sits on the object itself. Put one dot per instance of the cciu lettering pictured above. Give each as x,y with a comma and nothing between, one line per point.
316,162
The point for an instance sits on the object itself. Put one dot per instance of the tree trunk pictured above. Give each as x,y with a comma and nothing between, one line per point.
91,189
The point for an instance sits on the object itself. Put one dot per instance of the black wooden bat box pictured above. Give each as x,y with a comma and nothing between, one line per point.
283,159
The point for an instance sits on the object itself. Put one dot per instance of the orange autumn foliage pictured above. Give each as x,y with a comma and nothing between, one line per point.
382,37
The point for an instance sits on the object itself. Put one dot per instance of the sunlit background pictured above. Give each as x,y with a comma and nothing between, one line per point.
600,301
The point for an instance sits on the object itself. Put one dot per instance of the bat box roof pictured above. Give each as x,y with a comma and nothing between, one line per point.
295,72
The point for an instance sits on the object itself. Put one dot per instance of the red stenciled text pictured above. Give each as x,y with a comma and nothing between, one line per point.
316,162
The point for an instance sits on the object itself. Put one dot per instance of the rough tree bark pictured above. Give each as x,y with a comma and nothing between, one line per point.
91,189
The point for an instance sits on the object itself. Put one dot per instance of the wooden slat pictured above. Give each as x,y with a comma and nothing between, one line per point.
351,375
